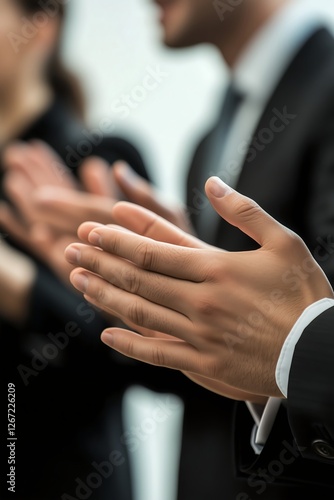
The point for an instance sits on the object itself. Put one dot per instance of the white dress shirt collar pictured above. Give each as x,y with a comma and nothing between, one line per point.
258,70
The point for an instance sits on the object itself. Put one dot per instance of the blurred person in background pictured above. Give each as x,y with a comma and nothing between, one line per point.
65,420
273,141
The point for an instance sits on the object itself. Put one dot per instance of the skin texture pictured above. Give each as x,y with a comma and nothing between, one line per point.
226,315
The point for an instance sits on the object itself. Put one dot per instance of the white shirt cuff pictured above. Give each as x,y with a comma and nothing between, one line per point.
285,359
264,418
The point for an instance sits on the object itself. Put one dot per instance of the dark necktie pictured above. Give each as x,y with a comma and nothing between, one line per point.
213,148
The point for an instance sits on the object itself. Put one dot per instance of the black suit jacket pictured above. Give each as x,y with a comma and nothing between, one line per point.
292,177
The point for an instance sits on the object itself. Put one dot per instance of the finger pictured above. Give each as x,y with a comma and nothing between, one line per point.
138,190
164,258
49,167
10,223
13,154
123,274
244,213
95,177
146,223
16,187
66,209
36,162
86,228
135,188
164,353
126,306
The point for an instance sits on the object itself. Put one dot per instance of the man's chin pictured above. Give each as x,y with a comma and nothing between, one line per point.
178,42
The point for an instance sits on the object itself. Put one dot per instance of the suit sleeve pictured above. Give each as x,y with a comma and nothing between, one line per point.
300,446
317,192
304,424
310,402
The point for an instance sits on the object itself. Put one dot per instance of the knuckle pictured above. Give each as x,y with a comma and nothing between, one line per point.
130,281
294,240
158,357
145,255
205,306
291,243
130,348
247,209
136,313
93,260
218,267
112,245
99,293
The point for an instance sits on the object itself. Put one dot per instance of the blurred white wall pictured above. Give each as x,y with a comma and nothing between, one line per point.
113,45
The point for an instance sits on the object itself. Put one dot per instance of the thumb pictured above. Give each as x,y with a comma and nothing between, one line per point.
243,213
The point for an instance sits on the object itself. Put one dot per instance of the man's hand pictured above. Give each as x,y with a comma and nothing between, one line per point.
228,313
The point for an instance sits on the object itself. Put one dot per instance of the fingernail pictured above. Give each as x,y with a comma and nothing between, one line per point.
129,177
80,282
107,338
73,255
218,188
95,238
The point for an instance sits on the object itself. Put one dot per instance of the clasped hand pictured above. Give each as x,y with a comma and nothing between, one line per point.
220,317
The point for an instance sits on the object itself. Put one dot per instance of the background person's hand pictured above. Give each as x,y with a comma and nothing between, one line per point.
229,313
39,163
139,191
34,173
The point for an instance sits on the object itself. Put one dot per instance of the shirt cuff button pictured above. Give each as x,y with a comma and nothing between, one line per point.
323,449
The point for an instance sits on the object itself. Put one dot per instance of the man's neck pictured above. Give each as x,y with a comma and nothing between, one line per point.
242,33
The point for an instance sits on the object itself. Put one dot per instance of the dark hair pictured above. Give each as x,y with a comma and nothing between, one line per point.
62,81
